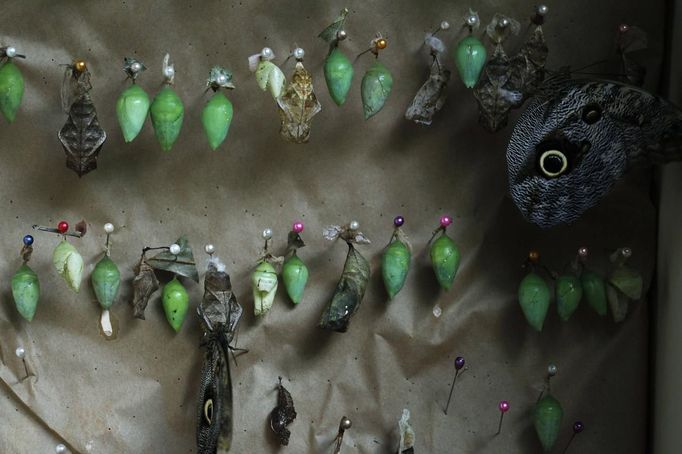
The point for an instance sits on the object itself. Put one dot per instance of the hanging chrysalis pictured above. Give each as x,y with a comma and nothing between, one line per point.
65,258
445,255
338,69
594,288
630,39
298,103
294,272
548,414
268,75
25,285
351,287
528,65
406,434
377,81
132,106
534,294
145,284
11,83
470,53
264,278
167,110
431,96
106,279
219,313
569,290
81,136
283,414
217,114
625,285
395,261
179,260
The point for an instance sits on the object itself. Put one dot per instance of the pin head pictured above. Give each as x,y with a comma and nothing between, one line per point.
444,25
354,225
503,406
552,370
534,256
79,65
459,363
623,28
542,10
583,251
11,52
627,252
381,43
398,221
28,240
267,234
578,427
341,35
60,449
209,249
20,352
63,227
267,53
298,53
345,423
298,227
445,221
109,227
174,249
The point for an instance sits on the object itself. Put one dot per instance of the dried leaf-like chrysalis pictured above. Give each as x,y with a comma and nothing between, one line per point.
69,264
26,291
105,281
495,93
220,314
269,76
11,89
297,106
547,417
376,86
145,284
534,297
81,136
264,285
430,97
348,294
406,434
330,33
182,263
283,414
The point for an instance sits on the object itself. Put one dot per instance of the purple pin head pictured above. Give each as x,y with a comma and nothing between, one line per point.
459,362
503,406
298,227
398,221
445,221
578,427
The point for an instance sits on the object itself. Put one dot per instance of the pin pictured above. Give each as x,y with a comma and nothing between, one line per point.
60,449
577,428
459,365
503,406
209,249
63,229
21,354
344,425
65,258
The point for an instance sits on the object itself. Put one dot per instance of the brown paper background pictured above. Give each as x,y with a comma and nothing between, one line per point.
137,394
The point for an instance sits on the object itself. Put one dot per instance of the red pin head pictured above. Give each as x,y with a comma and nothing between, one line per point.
63,227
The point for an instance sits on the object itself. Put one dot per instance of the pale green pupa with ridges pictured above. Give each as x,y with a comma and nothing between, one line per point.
175,303
338,73
295,276
216,119
395,264
569,292
470,56
547,419
26,291
167,112
534,298
106,279
376,86
11,90
594,290
445,258
132,108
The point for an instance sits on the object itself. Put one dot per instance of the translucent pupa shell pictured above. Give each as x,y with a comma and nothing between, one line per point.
26,291
295,276
534,297
167,112
338,73
132,108
264,284
11,90
470,56
445,258
269,76
216,119
175,303
106,280
547,418
376,86
569,292
395,264
69,264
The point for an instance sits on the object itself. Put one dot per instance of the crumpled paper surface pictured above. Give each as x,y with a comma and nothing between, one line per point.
137,394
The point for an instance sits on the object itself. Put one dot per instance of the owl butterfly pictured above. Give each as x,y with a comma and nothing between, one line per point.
81,136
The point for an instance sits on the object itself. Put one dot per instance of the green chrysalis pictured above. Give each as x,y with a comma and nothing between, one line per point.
132,108
175,303
295,276
395,264
547,418
534,296
264,285
569,292
376,86
69,264
338,73
594,289
216,118
11,90
470,56
445,258
106,280
167,112
26,291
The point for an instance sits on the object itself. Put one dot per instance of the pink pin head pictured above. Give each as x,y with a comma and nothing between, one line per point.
503,406
445,220
298,227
